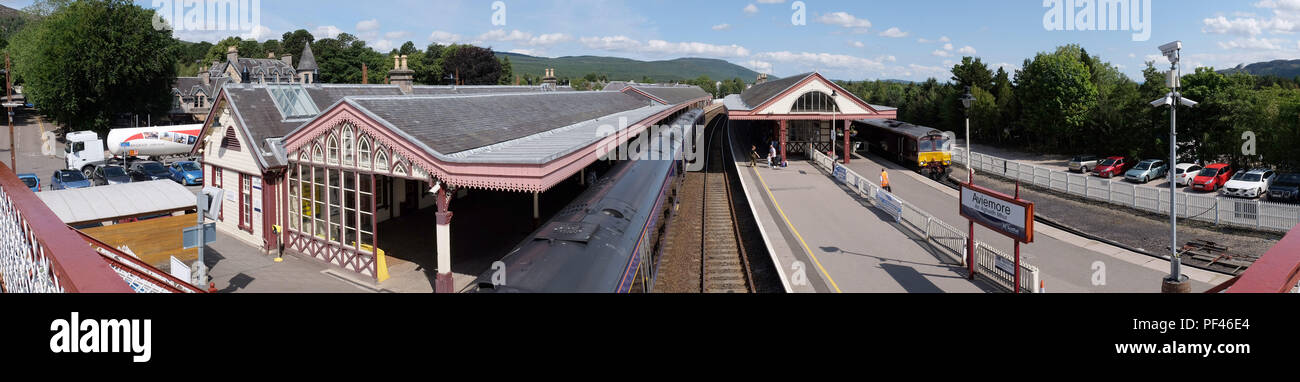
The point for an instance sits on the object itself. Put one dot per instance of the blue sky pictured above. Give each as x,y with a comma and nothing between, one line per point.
855,40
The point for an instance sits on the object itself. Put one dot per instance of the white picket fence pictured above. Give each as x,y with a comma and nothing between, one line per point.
939,235
1243,213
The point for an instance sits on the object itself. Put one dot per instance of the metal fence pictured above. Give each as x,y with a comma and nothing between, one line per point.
40,254
1242,213
938,234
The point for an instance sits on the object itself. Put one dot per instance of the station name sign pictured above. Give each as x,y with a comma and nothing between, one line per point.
999,212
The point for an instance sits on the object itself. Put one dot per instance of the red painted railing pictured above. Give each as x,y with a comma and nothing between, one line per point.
38,253
1277,271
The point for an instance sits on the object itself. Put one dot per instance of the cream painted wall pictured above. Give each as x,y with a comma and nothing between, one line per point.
783,105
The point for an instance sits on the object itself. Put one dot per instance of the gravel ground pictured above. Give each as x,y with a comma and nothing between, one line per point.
679,269
1134,228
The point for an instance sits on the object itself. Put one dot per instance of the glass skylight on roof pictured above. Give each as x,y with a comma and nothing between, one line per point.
293,101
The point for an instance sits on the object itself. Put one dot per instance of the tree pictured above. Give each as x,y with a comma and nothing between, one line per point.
972,72
507,72
1056,95
472,65
92,60
294,42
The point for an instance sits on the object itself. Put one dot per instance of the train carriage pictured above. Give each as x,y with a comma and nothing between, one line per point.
608,239
926,149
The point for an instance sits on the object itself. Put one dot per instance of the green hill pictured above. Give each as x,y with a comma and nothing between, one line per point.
623,69
1277,68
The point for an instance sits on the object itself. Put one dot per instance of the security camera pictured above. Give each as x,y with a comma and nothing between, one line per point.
437,186
1170,50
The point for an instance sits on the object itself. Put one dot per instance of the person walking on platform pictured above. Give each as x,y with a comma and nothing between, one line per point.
753,156
771,155
884,181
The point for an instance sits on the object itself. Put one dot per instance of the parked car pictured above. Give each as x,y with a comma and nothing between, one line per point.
1082,163
1212,177
145,171
67,180
110,175
1249,184
32,181
1111,167
1184,172
1286,188
1147,170
186,172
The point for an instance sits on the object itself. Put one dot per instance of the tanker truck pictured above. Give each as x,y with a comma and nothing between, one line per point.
86,150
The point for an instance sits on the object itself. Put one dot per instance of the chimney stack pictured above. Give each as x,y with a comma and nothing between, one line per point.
288,59
401,76
549,82
232,54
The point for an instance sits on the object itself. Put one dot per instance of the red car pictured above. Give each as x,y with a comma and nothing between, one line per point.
1212,177
1111,167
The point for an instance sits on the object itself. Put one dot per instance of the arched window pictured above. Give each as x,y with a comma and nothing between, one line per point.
381,159
317,155
815,102
332,149
349,147
363,152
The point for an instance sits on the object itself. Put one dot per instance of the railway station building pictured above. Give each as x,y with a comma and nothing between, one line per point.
801,113
352,175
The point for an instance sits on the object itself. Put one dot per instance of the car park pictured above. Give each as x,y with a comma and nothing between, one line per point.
1184,172
1212,177
1083,163
32,181
145,171
68,179
1111,167
1146,170
1286,188
1249,184
109,175
186,173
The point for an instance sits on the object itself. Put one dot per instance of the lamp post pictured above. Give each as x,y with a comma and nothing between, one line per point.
967,100
1176,282
833,110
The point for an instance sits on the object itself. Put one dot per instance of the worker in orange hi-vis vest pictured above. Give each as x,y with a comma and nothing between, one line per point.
884,180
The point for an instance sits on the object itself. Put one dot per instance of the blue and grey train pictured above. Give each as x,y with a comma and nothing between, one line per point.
608,239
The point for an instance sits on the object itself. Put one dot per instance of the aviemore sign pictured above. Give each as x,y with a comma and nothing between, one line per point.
999,212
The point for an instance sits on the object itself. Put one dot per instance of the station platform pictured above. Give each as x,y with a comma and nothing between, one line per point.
823,239
1067,263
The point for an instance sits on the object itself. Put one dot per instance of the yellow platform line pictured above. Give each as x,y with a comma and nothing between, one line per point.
795,230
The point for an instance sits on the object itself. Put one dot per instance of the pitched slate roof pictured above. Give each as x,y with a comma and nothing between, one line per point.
673,94
476,89
307,61
759,94
453,124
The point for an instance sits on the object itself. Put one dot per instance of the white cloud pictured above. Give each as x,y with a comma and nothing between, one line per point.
445,38
721,27
383,46
258,33
1253,44
525,38
526,52
760,66
750,9
967,50
396,35
822,59
894,33
924,40
941,53
626,44
944,39
844,19
947,46
1238,26
368,25
859,44
327,31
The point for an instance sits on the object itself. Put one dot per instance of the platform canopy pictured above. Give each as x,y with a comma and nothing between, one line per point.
807,96
120,201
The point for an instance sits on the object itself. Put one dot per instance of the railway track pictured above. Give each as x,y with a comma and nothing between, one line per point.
724,268
703,252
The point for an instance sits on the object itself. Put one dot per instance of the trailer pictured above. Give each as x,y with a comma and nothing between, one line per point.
85,149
